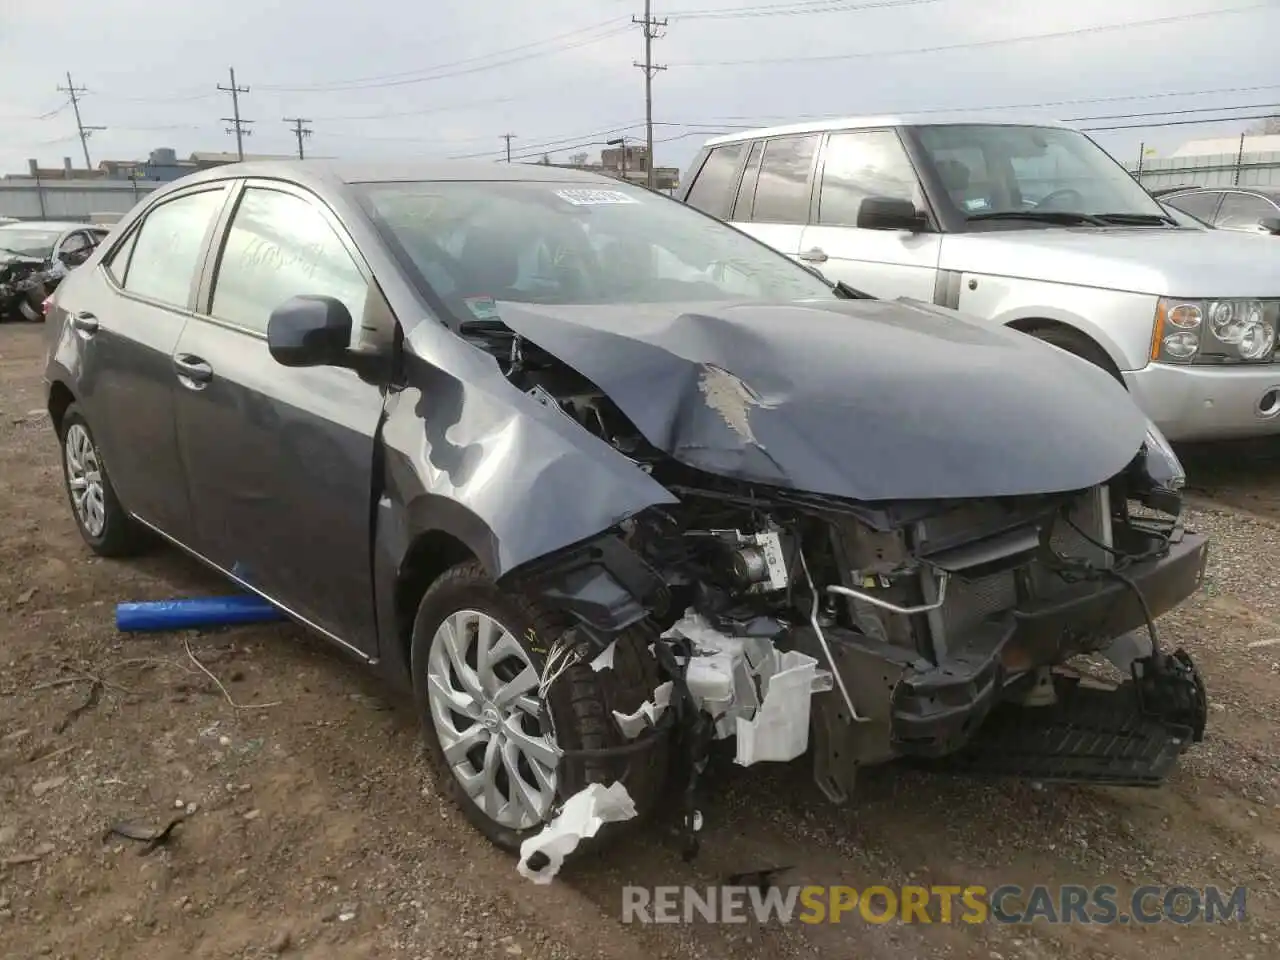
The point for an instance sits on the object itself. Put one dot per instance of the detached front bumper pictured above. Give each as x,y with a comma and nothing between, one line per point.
1197,402
911,707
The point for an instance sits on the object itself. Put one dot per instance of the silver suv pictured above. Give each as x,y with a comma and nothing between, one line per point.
1031,226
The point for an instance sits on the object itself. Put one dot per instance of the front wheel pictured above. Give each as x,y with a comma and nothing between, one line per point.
478,654
104,524
1080,345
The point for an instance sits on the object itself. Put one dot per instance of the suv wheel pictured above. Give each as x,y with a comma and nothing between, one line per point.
104,524
477,656
1080,345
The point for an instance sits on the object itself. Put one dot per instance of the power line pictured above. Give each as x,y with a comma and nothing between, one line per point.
650,27
1179,123
975,44
561,43
238,126
508,137
799,8
1171,113
73,92
598,142
300,132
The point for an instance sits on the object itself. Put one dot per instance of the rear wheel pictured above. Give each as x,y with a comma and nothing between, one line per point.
104,524
478,654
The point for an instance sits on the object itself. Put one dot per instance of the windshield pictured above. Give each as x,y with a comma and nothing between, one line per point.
992,171
27,242
474,243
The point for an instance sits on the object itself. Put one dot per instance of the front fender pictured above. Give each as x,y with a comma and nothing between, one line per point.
512,480
1120,322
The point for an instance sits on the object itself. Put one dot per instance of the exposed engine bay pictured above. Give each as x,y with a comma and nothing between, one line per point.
938,628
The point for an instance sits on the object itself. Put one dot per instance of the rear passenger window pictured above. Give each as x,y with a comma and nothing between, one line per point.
782,193
281,246
710,192
747,189
167,251
870,163
118,263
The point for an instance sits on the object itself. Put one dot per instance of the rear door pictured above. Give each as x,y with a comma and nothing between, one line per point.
279,459
772,198
857,164
126,319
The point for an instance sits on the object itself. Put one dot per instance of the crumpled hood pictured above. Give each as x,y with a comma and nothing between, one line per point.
1174,263
869,400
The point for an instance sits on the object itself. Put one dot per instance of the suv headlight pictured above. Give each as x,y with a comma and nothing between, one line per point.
1215,331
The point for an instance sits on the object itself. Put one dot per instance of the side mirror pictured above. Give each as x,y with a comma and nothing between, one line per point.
1271,225
890,213
309,331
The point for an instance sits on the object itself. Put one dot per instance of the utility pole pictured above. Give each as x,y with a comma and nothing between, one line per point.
74,92
237,125
299,131
508,137
650,26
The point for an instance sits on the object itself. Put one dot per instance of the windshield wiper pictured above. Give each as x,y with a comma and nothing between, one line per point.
1064,217
1138,219
846,292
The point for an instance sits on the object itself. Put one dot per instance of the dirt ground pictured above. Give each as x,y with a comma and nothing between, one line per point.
316,831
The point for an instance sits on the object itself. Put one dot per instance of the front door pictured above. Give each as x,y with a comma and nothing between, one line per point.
126,382
281,459
857,164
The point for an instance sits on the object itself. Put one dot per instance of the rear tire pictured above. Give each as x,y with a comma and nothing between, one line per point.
578,710
1078,344
104,524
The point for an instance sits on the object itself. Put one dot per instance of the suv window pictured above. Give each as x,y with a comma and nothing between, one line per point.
782,193
280,246
1243,210
1201,205
169,245
861,164
747,188
710,190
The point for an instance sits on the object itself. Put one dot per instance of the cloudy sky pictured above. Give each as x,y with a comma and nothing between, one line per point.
395,77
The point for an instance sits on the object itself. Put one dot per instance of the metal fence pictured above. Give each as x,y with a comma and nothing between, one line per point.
1210,170
80,200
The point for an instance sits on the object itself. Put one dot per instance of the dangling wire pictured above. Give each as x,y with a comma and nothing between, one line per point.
563,655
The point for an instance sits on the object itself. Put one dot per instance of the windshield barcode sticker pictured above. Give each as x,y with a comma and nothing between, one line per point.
585,197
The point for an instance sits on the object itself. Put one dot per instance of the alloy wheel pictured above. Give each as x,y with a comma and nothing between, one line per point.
482,688
84,479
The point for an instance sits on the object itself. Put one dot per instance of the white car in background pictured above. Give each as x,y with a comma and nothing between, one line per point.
1029,225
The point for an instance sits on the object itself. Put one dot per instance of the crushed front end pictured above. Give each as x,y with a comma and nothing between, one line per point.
941,631
791,614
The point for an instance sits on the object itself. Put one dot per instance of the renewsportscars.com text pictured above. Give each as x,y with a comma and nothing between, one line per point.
1008,904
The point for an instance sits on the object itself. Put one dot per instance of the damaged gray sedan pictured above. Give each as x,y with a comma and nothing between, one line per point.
603,481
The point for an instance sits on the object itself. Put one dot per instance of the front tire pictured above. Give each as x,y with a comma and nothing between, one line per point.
103,523
477,655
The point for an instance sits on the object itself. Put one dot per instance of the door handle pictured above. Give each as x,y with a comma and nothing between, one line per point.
814,255
86,323
191,368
